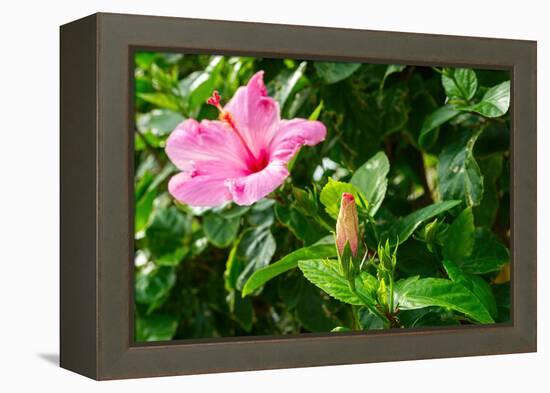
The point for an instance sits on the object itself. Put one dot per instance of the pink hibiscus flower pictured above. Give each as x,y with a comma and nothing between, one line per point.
241,157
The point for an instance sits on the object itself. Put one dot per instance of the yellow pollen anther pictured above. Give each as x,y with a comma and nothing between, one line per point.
226,117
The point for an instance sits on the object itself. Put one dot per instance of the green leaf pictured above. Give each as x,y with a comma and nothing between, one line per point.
488,255
331,195
310,311
233,268
459,83
391,69
495,101
430,128
152,286
316,112
256,248
144,208
341,329
327,249
220,230
459,241
458,172
198,86
495,138
160,100
231,210
241,310
491,169
156,327
163,78
368,320
285,82
158,121
475,284
301,226
261,213
251,252
414,258
404,227
143,140
371,179
172,258
166,234
417,293
333,72
326,275
427,316
305,201
290,287
144,59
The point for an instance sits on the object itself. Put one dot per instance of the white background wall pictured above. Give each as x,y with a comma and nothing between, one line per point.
29,184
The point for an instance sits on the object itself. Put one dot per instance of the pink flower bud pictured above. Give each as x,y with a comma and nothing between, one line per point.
347,225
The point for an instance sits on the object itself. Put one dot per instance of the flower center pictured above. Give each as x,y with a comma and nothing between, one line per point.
255,164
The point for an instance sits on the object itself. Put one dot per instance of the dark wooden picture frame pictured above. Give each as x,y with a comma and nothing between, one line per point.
97,196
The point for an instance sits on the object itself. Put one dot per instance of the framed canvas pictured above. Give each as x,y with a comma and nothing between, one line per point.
242,196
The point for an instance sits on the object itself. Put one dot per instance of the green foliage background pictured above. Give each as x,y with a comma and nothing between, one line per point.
427,149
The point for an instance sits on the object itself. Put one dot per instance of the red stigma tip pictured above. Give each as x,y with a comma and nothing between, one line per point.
348,196
214,99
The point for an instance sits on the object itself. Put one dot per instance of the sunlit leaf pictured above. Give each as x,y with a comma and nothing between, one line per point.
326,275
326,249
331,195
404,227
315,114
459,83
495,102
419,293
371,179
161,100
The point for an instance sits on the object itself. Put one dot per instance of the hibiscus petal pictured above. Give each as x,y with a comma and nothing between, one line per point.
292,134
255,114
194,146
205,191
249,189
